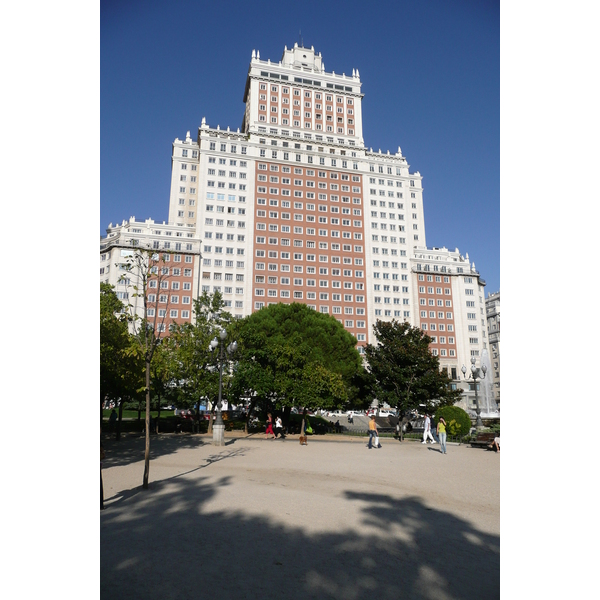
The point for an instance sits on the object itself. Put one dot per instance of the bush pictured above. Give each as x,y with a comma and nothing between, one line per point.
457,420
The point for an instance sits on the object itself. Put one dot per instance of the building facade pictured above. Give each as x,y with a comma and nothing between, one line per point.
293,207
492,307
176,252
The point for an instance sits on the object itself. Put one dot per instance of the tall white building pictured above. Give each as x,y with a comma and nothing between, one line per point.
293,207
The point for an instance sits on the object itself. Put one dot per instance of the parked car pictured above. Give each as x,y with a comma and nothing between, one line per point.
336,413
386,413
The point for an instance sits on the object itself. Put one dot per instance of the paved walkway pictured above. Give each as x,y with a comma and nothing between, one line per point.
273,519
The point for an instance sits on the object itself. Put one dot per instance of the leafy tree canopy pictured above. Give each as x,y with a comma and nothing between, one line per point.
194,364
119,372
406,374
296,356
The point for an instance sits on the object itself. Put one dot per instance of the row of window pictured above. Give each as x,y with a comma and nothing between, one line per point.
298,294
309,219
392,227
309,159
165,271
185,153
221,173
298,92
388,313
221,223
432,313
219,236
309,257
260,266
164,298
221,185
212,160
223,148
164,284
273,241
442,352
384,238
309,184
228,276
221,197
173,314
438,290
307,122
308,113
345,210
221,209
307,136
227,290
390,194
299,281
228,250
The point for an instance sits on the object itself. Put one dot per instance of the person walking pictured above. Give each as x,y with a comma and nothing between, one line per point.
427,431
441,432
269,427
279,427
373,434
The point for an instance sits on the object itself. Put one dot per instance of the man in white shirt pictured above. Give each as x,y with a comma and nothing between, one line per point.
427,431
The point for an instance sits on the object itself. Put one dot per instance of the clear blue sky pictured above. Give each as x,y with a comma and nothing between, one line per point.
431,82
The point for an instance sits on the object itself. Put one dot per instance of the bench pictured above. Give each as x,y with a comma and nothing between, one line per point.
484,440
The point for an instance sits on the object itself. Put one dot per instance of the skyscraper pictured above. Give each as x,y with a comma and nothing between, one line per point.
288,204
293,207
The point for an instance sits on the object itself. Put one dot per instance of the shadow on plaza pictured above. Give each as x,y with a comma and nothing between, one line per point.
130,448
156,543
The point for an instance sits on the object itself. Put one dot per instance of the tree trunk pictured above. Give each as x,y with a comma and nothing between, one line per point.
118,432
147,452
158,416
250,409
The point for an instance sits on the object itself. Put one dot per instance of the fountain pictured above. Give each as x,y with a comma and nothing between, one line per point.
489,408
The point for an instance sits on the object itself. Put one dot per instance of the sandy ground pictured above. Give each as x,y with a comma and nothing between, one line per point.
273,519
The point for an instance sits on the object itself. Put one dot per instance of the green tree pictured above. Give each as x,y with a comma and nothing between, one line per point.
406,374
291,355
196,372
143,267
119,370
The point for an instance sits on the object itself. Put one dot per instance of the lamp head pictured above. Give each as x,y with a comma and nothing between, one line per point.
223,334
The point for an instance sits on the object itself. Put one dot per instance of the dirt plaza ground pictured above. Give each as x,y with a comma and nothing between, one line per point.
272,519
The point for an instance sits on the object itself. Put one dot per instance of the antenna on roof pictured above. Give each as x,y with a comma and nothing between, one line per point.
300,38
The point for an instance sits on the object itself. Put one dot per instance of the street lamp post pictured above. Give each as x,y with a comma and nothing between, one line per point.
219,426
475,373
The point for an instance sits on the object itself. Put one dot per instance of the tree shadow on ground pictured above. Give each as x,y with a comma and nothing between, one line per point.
130,449
159,543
